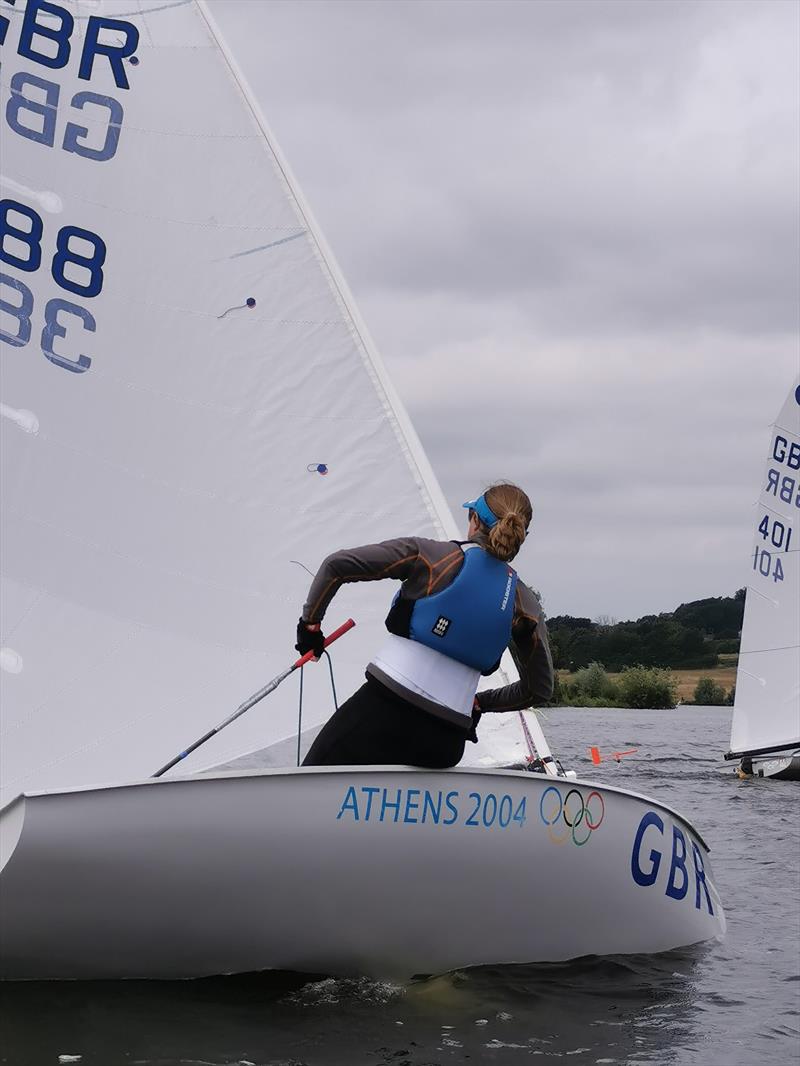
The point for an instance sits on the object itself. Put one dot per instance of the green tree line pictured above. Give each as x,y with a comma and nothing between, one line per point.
692,636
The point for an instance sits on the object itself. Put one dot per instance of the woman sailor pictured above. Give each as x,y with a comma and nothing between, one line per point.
459,607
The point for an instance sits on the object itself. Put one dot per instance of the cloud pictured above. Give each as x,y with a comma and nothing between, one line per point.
573,231
635,162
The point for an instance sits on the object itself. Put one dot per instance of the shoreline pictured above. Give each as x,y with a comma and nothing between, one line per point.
724,674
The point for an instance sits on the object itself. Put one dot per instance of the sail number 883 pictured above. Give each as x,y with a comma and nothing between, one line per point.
76,266
21,247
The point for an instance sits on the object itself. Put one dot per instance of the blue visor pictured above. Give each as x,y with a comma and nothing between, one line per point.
483,511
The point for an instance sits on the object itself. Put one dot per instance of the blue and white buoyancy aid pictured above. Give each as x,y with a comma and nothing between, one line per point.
444,642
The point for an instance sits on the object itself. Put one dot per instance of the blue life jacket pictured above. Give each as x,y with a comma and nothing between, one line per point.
470,620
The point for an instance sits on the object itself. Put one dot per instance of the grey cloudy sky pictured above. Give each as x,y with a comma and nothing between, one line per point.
572,229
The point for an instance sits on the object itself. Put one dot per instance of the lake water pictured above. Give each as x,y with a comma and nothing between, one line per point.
735,1003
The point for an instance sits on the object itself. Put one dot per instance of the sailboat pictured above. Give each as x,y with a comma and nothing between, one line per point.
193,415
765,731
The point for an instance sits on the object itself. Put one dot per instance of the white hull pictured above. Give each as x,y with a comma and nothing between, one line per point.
380,871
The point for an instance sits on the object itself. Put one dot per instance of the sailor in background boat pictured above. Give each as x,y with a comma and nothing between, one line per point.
459,607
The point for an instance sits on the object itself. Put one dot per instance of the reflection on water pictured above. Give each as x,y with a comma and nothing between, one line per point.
734,1003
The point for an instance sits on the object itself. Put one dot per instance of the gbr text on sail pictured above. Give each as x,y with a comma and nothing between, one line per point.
38,256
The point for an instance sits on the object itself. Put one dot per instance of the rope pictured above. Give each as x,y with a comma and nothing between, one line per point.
333,683
300,715
300,705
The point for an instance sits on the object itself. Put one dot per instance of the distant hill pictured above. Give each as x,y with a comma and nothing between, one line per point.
691,636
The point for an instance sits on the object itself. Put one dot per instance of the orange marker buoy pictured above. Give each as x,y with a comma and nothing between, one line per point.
595,754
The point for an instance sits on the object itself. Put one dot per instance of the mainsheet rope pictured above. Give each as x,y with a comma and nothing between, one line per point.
300,705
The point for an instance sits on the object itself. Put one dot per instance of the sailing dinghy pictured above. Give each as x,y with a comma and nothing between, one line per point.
765,731
192,416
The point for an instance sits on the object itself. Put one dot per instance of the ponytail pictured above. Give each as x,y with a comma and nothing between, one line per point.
514,513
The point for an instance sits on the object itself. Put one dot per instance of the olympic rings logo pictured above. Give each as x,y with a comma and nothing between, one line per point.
578,816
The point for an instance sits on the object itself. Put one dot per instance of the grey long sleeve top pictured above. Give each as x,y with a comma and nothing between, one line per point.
427,566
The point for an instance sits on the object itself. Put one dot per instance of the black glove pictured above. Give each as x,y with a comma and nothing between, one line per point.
309,640
476,717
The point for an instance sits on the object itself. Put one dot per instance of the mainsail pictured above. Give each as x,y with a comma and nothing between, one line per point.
766,714
192,411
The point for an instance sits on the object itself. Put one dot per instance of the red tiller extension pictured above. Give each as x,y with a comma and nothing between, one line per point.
262,692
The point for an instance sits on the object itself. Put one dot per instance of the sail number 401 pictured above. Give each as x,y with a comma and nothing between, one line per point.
768,565
774,531
779,536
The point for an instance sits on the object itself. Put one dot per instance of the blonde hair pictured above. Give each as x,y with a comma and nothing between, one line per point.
514,513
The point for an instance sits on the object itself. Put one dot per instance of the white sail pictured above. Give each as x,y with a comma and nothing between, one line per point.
767,706
192,415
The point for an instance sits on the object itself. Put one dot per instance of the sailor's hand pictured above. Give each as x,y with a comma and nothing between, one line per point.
476,717
310,638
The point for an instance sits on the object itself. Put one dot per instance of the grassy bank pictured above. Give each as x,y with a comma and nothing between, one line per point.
724,675
687,679
720,675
